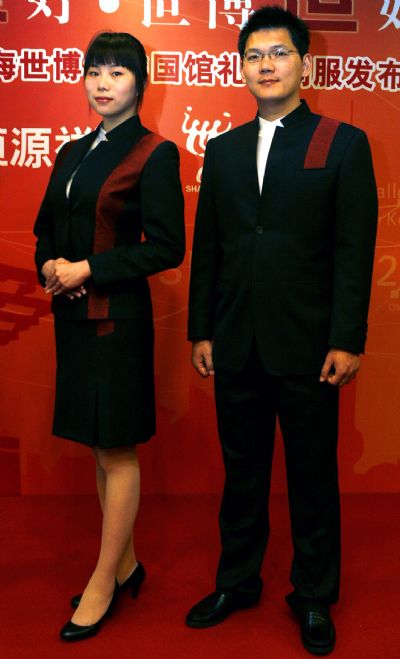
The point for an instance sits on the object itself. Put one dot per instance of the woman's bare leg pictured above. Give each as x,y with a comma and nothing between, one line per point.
118,479
128,560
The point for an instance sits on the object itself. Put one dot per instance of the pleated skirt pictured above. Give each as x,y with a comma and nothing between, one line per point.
104,382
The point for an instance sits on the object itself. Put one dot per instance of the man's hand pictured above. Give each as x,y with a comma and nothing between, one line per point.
202,358
340,367
67,278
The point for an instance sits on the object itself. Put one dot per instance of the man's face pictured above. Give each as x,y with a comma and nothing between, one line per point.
274,82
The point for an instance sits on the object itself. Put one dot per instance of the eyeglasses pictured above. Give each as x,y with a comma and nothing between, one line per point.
280,53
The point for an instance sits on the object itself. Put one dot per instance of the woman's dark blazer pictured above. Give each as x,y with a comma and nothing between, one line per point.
124,214
291,266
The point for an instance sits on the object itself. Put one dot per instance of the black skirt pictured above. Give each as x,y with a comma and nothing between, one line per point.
104,382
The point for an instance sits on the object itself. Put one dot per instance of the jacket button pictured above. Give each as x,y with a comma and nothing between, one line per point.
259,229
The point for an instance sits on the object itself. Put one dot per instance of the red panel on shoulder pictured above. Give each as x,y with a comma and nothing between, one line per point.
125,176
320,143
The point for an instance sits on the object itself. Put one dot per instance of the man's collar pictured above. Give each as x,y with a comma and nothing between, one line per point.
269,126
297,115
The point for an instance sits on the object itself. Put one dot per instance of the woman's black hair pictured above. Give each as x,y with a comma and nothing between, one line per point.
121,49
275,18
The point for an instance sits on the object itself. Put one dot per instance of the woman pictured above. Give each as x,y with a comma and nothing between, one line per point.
106,190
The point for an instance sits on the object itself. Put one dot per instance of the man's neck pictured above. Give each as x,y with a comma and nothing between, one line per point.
271,111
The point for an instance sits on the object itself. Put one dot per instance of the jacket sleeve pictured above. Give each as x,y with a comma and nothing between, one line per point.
163,246
43,227
355,233
205,258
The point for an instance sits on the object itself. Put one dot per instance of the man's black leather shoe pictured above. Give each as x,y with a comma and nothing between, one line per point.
214,608
316,625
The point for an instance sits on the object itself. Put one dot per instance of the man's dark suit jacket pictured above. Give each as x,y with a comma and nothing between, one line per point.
114,198
293,265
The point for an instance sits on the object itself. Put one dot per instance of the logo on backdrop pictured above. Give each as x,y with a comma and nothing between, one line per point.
198,133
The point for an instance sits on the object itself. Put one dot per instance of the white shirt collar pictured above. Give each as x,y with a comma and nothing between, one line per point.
101,134
265,137
269,126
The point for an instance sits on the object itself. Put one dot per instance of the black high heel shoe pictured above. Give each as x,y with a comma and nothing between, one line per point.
134,582
72,632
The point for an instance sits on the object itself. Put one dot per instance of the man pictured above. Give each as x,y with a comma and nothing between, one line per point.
281,276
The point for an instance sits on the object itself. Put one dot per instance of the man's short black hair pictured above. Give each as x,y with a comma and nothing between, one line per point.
275,18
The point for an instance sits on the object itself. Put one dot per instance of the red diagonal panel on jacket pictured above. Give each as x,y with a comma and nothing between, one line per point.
108,207
320,143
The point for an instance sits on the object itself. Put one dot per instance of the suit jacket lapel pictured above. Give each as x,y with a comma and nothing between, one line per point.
77,152
247,157
287,148
123,137
93,168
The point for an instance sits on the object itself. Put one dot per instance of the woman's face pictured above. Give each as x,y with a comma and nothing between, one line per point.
111,91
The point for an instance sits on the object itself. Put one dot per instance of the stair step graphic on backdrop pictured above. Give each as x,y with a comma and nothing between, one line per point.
21,302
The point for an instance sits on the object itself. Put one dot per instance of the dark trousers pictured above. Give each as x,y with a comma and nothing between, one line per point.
248,404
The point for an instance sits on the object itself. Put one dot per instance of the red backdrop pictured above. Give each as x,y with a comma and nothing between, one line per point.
194,92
